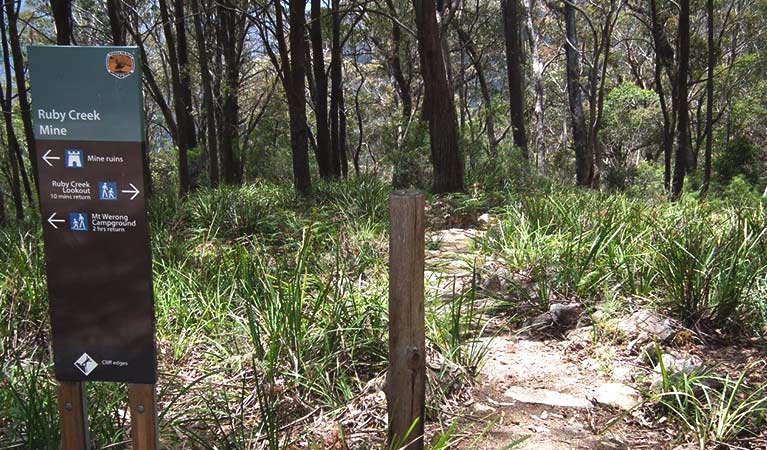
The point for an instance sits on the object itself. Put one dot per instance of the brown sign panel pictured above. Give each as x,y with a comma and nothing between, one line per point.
95,230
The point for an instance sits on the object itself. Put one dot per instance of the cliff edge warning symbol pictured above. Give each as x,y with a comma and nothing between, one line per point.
120,64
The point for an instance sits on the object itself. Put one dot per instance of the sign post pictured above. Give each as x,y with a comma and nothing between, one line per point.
89,131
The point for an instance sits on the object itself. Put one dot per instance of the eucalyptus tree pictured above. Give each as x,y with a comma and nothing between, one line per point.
439,106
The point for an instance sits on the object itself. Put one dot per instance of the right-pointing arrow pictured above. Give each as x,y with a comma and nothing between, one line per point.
134,191
53,221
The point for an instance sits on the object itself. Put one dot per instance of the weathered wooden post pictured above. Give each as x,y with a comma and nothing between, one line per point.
73,415
406,379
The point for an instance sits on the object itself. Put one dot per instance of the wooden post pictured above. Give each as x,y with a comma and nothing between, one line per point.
406,379
143,415
73,414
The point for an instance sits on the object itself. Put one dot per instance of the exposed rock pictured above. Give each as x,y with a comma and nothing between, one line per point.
617,395
565,315
546,397
580,337
607,443
644,326
483,409
497,281
622,374
541,322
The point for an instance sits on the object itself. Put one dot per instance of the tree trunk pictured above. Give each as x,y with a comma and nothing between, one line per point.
709,97
583,157
664,54
229,33
207,94
62,20
511,25
16,159
324,156
540,148
683,124
484,90
182,143
439,107
337,138
395,63
295,73
185,78
12,146
117,22
11,9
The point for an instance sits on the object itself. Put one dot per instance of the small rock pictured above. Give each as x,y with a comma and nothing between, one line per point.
481,408
541,321
565,315
622,374
580,337
545,397
617,395
607,443
644,325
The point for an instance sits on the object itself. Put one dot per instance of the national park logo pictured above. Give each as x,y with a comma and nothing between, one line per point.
120,64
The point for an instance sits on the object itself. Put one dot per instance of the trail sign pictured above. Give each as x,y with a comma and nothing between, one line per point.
88,121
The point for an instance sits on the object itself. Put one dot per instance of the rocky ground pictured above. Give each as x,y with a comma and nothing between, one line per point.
563,379
568,379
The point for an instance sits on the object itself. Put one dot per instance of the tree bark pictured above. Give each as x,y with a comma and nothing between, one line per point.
12,146
484,90
664,56
337,115
182,142
540,128
230,35
439,107
325,158
11,9
683,124
294,74
62,20
207,94
185,74
709,97
16,159
117,22
583,158
511,26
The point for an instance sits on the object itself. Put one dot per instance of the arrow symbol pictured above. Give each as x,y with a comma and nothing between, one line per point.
47,157
52,220
135,191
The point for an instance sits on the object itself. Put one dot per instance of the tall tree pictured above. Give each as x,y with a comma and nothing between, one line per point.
232,32
22,96
709,95
178,59
484,89
203,53
512,22
62,19
438,106
583,158
16,159
683,124
323,152
117,22
337,111
538,67
664,59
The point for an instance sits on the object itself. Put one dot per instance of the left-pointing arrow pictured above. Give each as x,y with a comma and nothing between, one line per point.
47,157
53,221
